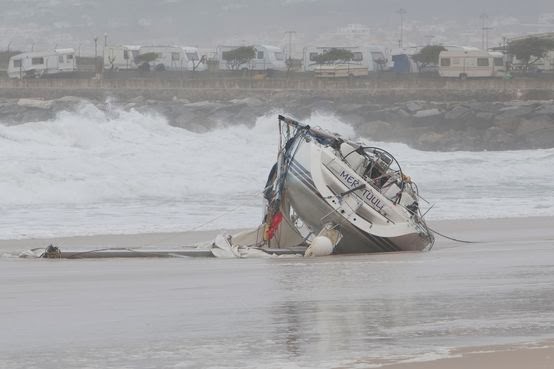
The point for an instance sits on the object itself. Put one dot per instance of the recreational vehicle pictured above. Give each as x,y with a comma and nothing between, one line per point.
404,64
172,58
42,63
469,63
266,57
372,58
195,62
538,65
118,57
544,64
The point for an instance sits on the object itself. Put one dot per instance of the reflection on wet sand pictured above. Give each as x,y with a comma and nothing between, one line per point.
332,312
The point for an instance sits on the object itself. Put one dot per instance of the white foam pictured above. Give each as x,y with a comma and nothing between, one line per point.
92,172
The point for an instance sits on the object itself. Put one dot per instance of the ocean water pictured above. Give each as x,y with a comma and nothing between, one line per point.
92,172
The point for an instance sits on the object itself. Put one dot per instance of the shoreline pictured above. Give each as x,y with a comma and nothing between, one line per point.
528,355
535,228
465,282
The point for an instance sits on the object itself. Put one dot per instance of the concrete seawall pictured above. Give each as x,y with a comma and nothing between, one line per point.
206,89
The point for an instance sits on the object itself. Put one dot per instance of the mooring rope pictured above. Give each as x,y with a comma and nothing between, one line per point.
451,238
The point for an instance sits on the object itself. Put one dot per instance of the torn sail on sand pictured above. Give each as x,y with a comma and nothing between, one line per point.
329,195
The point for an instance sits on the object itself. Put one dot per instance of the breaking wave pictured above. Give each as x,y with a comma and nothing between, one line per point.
96,172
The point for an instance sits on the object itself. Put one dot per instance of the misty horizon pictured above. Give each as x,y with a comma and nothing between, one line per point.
35,24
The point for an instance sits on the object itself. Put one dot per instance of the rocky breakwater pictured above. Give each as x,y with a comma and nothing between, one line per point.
426,125
198,116
456,126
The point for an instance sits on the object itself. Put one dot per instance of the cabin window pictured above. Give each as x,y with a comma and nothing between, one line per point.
378,56
125,54
456,61
313,56
260,55
445,62
279,56
357,56
192,56
60,58
498,62
70,57
482,62
175,56
17,63
37,61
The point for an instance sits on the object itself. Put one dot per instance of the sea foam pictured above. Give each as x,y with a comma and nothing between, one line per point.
93,172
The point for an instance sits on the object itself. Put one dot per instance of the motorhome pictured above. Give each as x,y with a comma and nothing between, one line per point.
372,58
403,64
195,62
471,63
172,58
544,64
41,63
119,57
266,57
537,65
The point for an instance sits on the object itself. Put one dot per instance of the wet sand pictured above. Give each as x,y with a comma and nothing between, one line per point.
479,230
535,356
477,305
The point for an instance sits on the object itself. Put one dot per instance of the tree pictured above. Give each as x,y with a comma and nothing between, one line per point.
334,55
530,50
143,60
146,57
428,55
237,57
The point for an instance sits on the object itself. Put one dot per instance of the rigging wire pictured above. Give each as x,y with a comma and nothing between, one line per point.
451,238
173,235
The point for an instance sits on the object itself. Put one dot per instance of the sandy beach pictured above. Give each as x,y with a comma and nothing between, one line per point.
462,305
475,230
534,356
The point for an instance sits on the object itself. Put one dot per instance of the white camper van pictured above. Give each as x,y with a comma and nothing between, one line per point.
118,57
372,58
266,58
41,63
195,62
469,63
168,57
380,59
174,58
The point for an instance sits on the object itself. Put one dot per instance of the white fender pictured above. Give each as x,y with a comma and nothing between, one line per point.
321,246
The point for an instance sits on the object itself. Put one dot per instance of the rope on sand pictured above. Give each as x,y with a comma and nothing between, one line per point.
451,238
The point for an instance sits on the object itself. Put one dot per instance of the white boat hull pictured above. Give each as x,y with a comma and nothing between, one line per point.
368,221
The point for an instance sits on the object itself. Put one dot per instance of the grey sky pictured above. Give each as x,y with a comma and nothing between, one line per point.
208,22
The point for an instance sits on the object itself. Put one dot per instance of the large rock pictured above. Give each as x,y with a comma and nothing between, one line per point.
516,111
250,101
497,139
427,113
507,124
35,104
485,116
530,126
377,130
349,108
458,113
539,139
76,99
488,107
194,123
413,106
546,109
431,140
